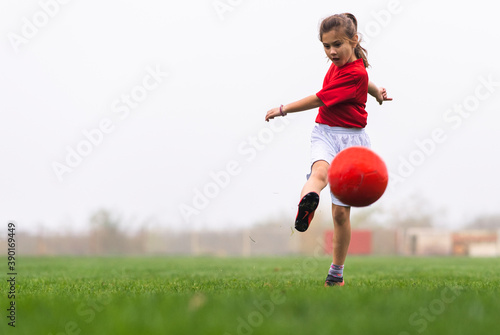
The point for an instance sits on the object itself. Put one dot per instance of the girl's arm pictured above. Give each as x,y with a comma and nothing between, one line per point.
378,93
310,102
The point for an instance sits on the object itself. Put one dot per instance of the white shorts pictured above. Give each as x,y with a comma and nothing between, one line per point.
327,142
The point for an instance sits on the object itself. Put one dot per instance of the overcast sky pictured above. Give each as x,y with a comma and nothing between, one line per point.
151,109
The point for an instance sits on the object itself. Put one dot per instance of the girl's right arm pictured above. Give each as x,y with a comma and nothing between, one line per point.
310,102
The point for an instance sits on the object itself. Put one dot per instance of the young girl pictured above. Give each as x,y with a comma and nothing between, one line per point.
340,124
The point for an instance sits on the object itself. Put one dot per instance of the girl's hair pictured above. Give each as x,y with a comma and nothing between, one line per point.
347,23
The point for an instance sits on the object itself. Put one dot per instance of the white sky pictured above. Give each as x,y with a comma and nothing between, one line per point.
225,70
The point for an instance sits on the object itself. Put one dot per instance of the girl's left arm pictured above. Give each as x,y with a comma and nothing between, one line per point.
378,93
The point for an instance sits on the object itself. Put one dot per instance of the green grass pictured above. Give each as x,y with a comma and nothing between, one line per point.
383,295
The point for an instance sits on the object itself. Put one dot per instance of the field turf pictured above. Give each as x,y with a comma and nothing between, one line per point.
177,295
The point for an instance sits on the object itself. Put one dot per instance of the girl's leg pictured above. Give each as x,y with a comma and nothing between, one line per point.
310,195
318,178
341,240
341,234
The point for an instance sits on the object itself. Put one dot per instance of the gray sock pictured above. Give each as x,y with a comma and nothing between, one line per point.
336,271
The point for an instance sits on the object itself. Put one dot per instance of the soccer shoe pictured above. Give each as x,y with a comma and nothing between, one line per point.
334,281
307,206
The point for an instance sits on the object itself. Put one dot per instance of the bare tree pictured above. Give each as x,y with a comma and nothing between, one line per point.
491,221
414,211
106,236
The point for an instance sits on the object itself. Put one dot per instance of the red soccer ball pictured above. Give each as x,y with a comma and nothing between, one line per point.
358,177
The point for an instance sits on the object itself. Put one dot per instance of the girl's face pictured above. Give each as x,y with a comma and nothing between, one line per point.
337,48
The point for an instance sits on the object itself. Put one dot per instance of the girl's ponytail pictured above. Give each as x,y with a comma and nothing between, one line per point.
359,51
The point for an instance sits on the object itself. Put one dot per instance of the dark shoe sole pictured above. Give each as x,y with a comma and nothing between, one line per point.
307,206
333,281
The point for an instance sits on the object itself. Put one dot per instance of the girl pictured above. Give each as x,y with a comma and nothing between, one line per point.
340,124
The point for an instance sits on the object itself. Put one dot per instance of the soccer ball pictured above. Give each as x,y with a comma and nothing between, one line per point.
358,177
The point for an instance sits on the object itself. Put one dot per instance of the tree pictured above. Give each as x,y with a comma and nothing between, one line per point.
414,211
106,236
491,221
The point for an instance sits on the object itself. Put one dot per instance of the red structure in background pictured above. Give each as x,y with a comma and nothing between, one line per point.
361,242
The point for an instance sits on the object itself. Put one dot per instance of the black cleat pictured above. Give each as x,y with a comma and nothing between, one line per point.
307,206
334,281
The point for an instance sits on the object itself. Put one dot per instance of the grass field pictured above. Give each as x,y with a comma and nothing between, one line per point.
383,295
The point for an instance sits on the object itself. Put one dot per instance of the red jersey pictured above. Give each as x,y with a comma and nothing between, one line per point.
344,94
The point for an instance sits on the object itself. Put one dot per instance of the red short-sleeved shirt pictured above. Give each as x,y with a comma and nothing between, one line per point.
344,94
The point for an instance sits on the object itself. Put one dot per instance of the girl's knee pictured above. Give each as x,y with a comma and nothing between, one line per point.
320,170
320,175
341,215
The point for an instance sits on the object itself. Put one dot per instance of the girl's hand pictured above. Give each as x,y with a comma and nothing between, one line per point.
382,95
271,114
